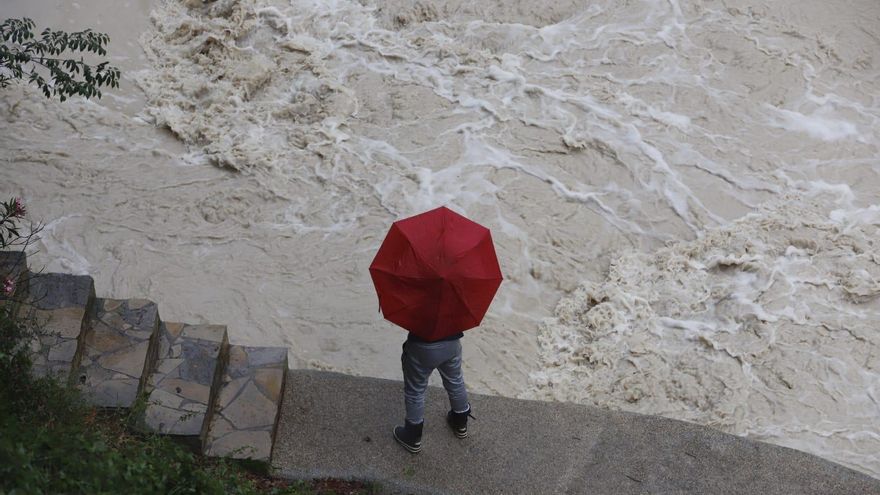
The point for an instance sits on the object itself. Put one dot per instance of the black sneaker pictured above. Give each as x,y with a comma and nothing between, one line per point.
410,436
458,422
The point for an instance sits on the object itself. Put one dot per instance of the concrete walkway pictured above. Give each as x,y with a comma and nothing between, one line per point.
335,425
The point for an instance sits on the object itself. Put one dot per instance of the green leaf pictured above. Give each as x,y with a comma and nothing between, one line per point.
21,54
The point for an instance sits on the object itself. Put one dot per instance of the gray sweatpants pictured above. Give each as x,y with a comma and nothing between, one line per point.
419,360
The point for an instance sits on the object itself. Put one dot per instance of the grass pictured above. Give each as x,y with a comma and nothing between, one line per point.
52,441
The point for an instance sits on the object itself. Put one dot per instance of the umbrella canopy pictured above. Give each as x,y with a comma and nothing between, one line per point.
436,273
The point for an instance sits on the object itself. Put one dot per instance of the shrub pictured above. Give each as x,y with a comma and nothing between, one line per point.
23,55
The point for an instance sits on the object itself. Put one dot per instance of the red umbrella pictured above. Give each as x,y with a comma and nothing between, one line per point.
436,273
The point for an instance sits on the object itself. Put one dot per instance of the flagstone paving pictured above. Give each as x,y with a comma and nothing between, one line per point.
57,306
248,404
189,364
114,355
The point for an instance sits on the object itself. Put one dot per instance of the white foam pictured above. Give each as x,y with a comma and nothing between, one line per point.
580,134
816,125
741,310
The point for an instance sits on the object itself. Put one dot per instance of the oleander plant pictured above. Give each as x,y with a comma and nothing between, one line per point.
54,61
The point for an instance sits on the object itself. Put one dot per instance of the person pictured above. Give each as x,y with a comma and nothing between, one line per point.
419,359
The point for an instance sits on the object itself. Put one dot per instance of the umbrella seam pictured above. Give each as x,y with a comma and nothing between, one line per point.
461,255
383,270
465,304
399,309
458,256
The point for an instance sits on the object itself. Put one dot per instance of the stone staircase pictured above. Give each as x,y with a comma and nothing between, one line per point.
221,399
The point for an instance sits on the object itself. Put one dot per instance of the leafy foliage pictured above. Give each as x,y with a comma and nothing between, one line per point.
11,212
24,56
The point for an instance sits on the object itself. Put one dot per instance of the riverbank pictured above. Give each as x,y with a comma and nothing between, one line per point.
338,425
257,151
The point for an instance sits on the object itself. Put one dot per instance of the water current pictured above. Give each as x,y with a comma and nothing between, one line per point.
683,195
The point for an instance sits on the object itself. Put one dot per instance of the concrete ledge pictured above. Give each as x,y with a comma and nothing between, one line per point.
340,426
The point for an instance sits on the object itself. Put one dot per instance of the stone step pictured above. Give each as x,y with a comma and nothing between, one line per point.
115,351
57,307
248,403
189,364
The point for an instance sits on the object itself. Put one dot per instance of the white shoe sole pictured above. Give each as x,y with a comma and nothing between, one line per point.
410,448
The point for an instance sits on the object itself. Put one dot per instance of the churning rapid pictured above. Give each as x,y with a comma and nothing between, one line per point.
683,196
